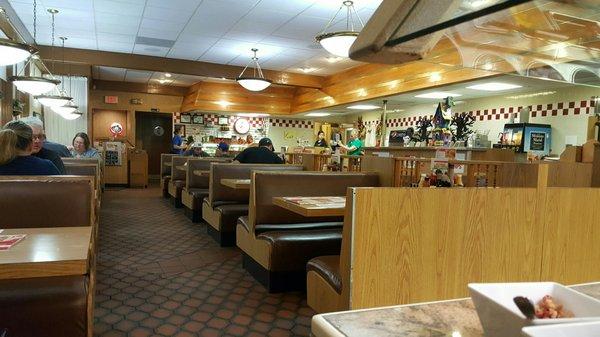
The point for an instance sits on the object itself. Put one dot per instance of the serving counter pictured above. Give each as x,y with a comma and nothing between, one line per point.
464,153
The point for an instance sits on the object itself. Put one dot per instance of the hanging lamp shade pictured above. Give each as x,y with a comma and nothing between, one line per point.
65,109
338,43
34,85
52,101
13,52
256,82
73,115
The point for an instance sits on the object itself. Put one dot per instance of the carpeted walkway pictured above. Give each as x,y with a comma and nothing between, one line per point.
159,274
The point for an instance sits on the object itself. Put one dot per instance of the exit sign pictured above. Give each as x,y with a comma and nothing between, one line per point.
111,99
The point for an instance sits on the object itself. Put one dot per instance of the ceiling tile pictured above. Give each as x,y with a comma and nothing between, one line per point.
117,47
302,27
85,5
150,50
123,8
244,36
288,6
158,34
219,55
116,37
153,24
111,74
182,5
166,14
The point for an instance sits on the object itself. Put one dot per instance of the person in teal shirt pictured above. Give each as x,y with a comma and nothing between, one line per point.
355,145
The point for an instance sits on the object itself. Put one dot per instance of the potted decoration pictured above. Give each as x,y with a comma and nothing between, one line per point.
17,107
423,125
441,122
463,123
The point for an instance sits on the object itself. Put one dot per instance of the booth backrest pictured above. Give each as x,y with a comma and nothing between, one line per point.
99,163
83,169
165,158
177,174
46,201
202,164
218,171
267,185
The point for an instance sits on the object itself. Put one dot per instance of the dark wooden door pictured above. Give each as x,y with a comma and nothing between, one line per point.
148,136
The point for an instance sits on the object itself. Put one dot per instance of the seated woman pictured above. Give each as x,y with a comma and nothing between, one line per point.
16,142
81,147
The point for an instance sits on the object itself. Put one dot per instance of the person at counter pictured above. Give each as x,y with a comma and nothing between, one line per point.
355,145
177,142
261,154
222,150
196,151
321,139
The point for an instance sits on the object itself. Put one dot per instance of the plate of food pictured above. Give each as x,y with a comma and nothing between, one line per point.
502,307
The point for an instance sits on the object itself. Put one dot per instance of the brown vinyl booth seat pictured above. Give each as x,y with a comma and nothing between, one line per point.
87,169
48,306
99,163
225,205
196,187
278,243
165,173
178,180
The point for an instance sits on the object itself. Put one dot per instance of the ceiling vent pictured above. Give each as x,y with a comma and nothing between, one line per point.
148,41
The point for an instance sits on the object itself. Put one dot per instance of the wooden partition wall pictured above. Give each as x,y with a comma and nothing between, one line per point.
414,245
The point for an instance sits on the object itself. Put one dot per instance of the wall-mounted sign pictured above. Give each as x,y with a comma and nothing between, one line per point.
135,101
111,99
116,129
186,118
198,119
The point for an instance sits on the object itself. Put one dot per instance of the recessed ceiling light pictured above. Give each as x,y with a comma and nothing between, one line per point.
435,77
167,75
333,59
363,107
494,86
317,114
437,95
224,103
252,115
307,70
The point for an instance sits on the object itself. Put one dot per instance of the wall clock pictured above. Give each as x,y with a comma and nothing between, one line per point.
241,126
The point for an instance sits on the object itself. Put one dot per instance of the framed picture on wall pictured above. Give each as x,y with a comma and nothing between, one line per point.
186,118
198,119
223,121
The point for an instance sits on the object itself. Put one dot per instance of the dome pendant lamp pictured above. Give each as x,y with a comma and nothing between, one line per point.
256,82
339,43
34,85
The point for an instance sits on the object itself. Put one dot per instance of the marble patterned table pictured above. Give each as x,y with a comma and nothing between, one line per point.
455,318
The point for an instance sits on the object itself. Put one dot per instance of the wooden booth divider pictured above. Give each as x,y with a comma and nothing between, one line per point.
407,245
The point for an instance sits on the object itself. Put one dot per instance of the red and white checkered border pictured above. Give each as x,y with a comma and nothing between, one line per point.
585,107
291,123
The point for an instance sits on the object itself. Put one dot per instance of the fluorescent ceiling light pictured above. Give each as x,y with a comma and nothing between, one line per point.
317,114
363,107
494,86
250,114
437,95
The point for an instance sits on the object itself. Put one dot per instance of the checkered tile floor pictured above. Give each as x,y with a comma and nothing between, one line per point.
159,274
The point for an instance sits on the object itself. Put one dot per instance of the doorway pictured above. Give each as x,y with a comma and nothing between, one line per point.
153,131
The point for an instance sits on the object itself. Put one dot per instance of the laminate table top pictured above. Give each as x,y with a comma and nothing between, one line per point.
45,252
313,206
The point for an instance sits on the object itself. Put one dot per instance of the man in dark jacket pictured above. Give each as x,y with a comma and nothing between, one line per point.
38,150
263,154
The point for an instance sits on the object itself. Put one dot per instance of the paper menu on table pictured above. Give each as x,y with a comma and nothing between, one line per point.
8,241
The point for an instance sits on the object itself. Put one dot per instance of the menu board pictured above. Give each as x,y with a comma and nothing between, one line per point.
537,141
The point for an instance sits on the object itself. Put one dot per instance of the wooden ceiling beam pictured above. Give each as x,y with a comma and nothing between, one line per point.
144,88
176,66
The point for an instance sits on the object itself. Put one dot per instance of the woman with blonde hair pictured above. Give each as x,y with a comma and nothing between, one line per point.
16,139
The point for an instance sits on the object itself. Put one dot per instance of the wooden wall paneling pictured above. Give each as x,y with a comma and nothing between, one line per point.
176,66
102,119
149,88
384,166
570,174
571,232
415,245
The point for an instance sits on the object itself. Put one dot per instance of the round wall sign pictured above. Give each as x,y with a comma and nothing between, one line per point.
241,126
116,129
159,130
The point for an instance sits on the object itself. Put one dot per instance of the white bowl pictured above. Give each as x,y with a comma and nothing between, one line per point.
500,317
587,329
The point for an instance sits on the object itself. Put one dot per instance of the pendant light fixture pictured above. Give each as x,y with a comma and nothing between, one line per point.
256,82
34,85
73,115
339,43
53,101
12,52
70,107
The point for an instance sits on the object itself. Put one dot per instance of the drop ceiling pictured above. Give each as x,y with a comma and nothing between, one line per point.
216,31
139,76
